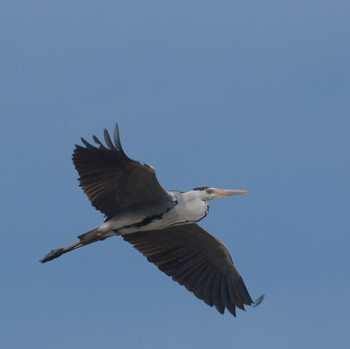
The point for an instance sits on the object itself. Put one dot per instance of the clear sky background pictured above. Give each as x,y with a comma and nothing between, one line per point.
248,95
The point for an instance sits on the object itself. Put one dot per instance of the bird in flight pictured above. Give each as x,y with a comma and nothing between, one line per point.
161,224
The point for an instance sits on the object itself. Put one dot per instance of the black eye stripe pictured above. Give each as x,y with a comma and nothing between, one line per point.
200,188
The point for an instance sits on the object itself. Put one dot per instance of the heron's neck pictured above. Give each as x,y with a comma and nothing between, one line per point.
192,195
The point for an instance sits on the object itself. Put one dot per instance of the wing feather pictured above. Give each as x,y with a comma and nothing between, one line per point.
112,181
196,260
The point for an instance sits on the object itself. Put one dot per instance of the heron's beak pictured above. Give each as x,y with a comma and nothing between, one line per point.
221,193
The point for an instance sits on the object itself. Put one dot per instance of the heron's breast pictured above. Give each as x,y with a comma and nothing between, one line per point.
141,221
190,212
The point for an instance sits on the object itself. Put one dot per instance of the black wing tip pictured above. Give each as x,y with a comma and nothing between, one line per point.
117,142
116,146
254,304
85,142
116,128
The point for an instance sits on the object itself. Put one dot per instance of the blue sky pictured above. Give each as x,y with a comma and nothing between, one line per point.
234,94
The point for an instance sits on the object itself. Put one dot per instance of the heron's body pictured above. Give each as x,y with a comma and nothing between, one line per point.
181,210
160,224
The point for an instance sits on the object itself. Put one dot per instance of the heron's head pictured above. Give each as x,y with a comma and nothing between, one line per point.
210,193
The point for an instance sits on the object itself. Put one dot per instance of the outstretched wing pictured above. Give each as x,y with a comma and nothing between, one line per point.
112,181
196,260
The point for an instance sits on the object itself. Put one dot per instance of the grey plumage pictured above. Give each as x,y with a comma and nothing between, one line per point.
160,224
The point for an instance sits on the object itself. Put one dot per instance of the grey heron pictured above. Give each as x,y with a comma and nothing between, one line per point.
161,224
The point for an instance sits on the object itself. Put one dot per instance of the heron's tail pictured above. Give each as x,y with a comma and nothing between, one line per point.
84,239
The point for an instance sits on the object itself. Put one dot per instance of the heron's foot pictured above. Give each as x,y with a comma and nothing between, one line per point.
53,254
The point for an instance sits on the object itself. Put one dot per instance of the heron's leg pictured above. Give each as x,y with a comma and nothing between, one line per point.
60,251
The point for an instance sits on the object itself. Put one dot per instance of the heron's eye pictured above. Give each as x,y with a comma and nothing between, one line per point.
208,190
